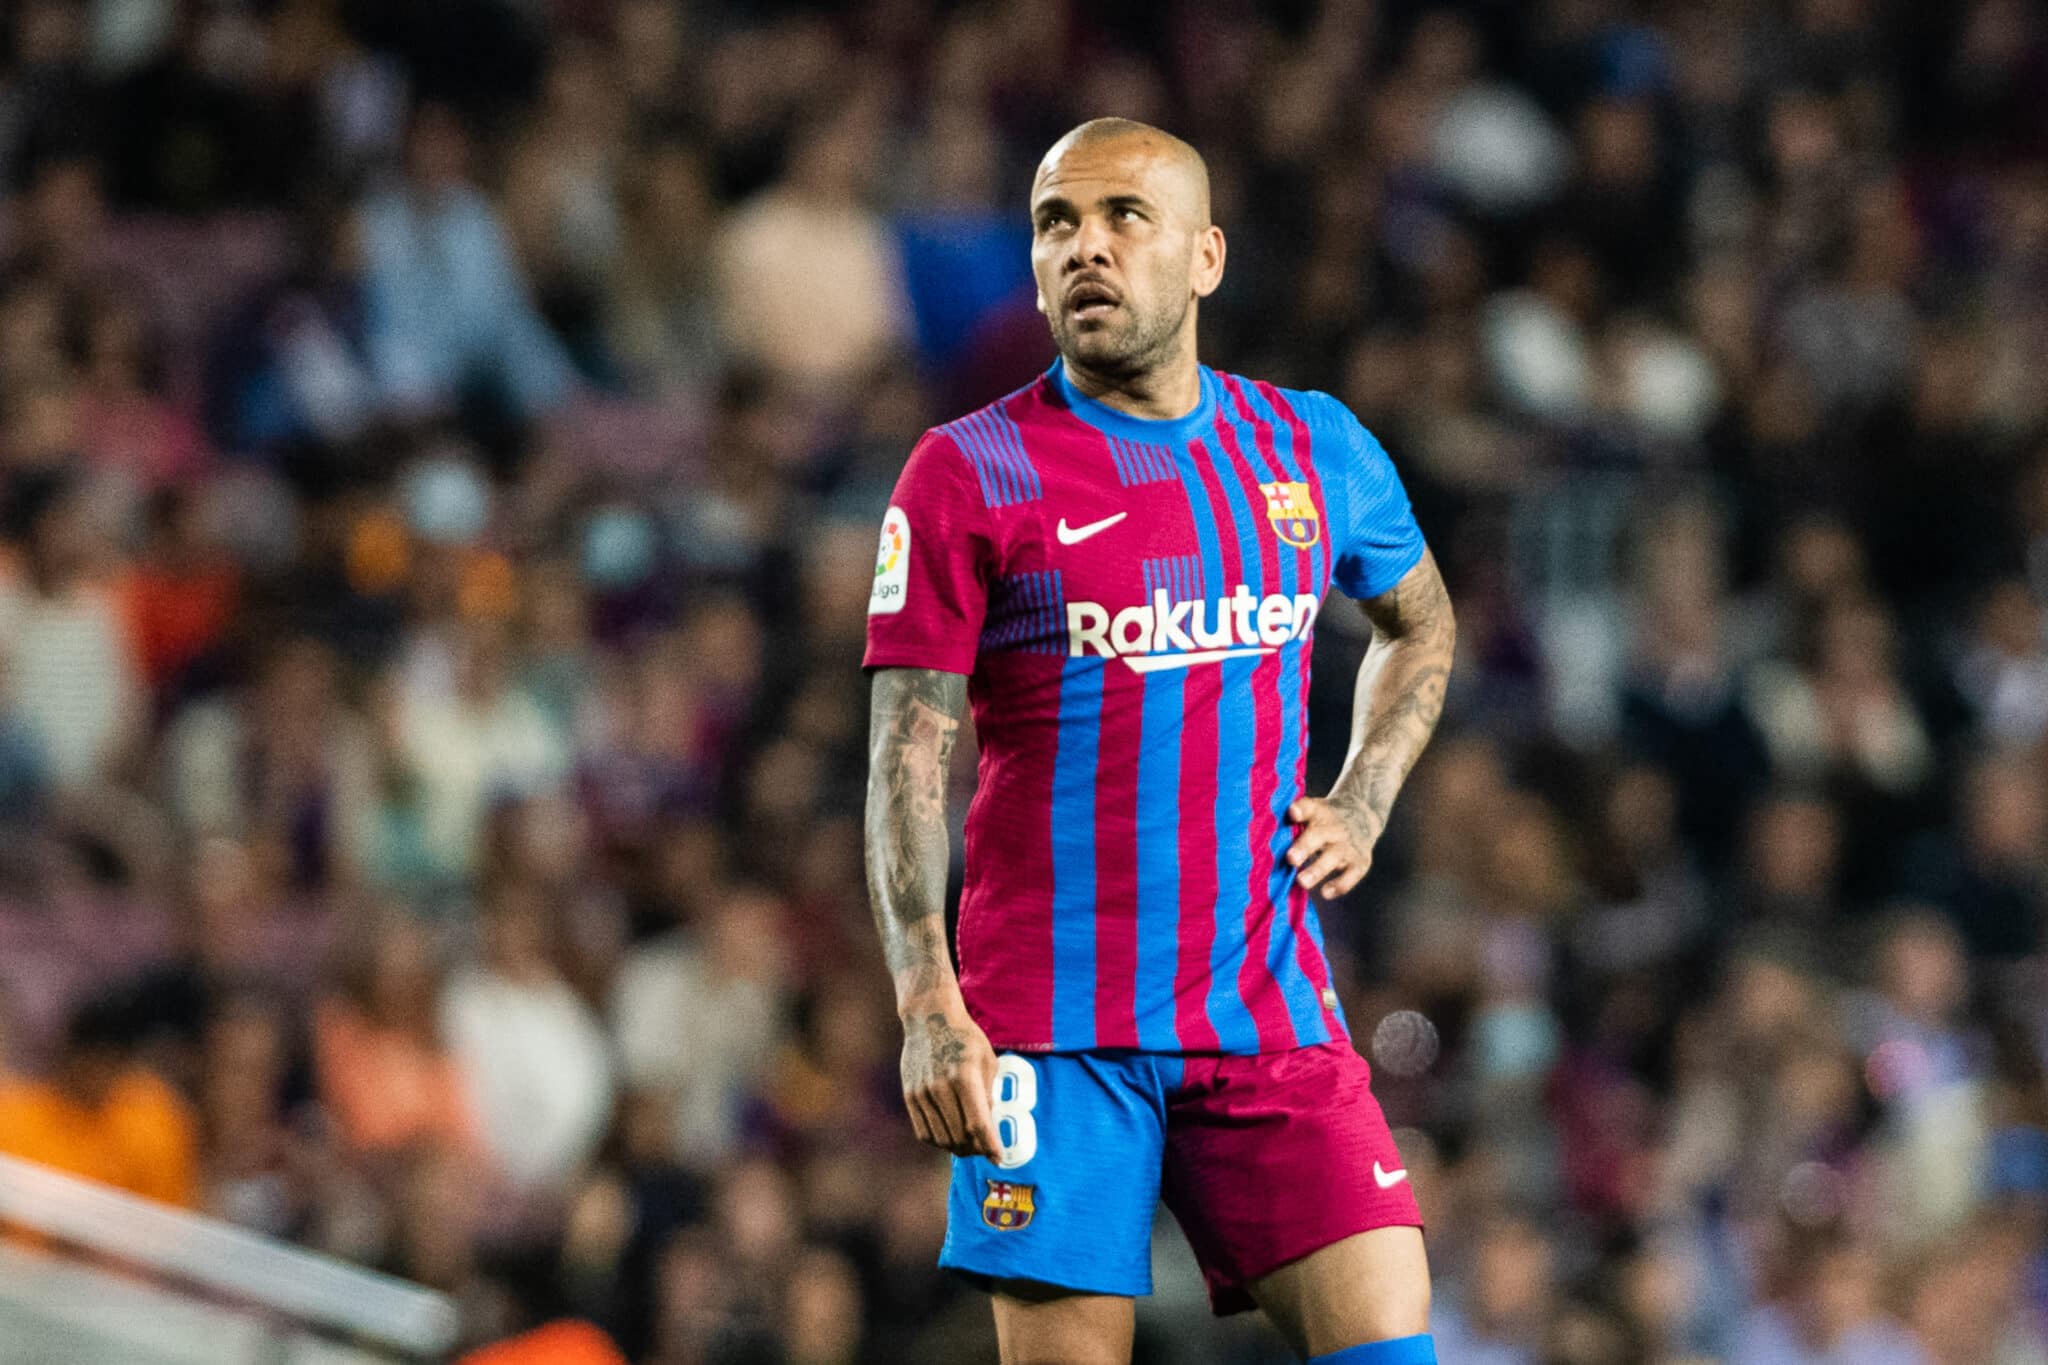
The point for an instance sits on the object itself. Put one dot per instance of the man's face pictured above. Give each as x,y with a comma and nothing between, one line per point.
1121,248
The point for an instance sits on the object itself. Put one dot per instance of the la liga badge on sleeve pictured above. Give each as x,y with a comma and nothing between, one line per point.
892,566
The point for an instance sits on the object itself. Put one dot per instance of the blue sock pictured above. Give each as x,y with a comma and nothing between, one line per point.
1401,1351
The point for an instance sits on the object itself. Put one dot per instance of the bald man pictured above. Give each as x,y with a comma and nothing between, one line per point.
1118,568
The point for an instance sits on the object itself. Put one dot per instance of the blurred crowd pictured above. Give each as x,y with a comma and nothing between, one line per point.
440,452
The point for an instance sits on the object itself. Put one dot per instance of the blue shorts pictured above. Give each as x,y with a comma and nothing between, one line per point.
1262,1159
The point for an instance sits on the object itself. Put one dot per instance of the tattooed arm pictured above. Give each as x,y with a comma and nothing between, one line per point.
1399,699
948,1066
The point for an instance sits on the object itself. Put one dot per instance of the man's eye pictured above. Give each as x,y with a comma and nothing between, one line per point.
1128,214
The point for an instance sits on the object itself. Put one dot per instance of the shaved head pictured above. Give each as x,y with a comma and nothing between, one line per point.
1176,162
1122,250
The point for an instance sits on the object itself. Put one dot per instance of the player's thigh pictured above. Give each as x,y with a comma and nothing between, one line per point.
1071,1205
1275,1158
1373,1286
1039,1325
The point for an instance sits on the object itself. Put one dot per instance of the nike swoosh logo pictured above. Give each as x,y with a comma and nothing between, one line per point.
1074,535
1388,1179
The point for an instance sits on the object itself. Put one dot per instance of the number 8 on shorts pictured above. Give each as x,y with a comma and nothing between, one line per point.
1016,1096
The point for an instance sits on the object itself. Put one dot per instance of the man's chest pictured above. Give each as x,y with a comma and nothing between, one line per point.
1155,550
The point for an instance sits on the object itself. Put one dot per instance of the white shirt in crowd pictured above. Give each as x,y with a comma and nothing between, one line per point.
539,1073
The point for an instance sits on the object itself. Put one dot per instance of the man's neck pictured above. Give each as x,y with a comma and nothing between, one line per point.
1163,394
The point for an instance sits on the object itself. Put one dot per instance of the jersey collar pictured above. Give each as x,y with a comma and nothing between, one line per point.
1151,430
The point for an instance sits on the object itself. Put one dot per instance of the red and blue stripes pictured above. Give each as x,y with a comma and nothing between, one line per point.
1140,462
995,447
1026,611
1279,999
1246,1020
1120,861
1295,950
1297,452
1076,901
1158,911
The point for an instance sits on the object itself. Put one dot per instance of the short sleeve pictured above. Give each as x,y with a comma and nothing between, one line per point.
1377,540
933,567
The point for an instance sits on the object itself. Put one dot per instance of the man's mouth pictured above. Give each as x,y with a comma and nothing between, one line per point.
1090,301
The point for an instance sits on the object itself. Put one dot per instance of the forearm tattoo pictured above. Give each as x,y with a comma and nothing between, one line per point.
916,718
1400,696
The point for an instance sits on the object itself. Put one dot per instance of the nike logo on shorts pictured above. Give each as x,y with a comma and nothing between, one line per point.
1388,1179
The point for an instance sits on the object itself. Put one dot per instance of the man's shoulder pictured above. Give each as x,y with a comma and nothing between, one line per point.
1023,405
1313,408
994,445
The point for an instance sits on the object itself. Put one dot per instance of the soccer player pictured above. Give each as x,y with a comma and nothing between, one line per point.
1119,568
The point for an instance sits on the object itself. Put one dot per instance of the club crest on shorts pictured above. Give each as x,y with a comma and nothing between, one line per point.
1291,507
1009,1206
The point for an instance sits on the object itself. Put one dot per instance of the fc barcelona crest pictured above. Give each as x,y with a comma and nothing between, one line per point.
1292,510
1009,1206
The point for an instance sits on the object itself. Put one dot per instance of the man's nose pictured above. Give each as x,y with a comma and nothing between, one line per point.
1090,244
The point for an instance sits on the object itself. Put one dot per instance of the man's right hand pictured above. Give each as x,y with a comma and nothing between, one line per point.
949,1078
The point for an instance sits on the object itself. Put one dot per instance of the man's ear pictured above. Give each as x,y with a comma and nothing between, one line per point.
1039,300
1209,253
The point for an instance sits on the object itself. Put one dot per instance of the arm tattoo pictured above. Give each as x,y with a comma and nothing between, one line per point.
1400,696
915,720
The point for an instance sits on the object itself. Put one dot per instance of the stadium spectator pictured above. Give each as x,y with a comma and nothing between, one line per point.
1792,862
531,1055
662,328
450,318
286,766
563,193
291,368
1834,1314
1501,1314
694,1017
70,677
180,594
481,740
101,1115
1986,872
2003,673
252,1153
808,287
1966,1299
383,1072
126,425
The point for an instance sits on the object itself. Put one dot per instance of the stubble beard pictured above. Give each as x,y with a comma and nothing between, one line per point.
1148,344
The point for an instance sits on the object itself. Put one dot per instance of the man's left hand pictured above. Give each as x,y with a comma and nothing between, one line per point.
1333,847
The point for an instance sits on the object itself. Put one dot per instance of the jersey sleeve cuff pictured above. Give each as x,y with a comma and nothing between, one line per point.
943,660
1386,583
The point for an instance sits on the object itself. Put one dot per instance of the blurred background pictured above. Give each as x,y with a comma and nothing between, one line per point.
441,445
